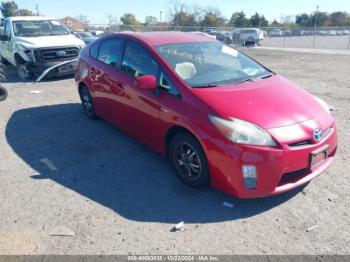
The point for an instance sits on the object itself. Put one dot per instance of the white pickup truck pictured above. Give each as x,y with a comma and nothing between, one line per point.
34,44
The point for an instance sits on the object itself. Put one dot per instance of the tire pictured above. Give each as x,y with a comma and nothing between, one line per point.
3,60
87,103
24,72
3,93
189,160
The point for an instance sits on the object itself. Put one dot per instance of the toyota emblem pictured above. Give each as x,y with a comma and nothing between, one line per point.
317,134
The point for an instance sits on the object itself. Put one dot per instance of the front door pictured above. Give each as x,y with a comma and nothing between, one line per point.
143,104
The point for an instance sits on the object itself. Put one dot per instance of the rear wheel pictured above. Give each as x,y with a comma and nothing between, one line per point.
87,103
3,93
189,160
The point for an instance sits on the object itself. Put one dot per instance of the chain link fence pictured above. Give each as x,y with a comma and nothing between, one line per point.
308,37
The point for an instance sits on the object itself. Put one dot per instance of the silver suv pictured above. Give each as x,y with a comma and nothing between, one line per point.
248,35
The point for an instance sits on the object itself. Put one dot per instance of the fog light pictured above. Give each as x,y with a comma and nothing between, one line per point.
249,176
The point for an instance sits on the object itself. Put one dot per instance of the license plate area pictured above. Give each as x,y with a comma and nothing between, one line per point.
67,68
318,156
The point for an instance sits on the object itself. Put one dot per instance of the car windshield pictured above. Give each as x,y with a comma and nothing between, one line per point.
206,64
39,28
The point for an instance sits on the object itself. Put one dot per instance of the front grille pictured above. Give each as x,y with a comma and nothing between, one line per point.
56,54
293,176
301,143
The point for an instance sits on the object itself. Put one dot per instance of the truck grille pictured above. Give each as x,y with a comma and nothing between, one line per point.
56,54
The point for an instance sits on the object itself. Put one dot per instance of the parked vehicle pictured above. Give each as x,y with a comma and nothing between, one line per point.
3,91
96,32
276,33
248,35
204,34
296,32
222,118
33,44
87,37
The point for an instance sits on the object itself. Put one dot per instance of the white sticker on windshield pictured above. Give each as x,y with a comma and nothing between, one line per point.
229,51
55,23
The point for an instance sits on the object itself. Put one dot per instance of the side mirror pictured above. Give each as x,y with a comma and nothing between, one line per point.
4,37
148,82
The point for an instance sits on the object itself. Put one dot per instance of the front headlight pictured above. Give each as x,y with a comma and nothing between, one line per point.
29,52
21,47
242,132
323,104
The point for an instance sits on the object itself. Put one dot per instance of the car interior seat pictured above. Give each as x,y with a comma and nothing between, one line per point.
185,70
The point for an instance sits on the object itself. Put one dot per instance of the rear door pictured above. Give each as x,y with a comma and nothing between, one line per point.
107,86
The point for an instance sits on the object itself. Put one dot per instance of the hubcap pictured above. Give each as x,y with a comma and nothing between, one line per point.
87,102
187,161
23,71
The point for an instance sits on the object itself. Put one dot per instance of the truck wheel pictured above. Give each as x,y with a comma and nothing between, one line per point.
24,72
3,93
3,60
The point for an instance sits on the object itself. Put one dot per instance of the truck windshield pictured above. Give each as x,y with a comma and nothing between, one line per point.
209,64
39,28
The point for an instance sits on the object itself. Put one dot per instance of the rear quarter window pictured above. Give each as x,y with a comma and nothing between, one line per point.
94,50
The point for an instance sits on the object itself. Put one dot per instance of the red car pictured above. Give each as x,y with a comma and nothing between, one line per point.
221,117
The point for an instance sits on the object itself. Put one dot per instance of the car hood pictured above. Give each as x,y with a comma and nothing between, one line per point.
49,41
268,103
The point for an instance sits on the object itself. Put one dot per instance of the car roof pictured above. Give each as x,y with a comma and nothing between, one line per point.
30,18
163,38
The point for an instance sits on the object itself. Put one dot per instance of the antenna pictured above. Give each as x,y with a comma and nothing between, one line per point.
37,9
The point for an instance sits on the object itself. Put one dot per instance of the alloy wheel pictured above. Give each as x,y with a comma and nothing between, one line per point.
187,161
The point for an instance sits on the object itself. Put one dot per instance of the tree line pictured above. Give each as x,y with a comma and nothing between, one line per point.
182,14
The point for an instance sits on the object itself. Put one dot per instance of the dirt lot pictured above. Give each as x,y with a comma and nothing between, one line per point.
69,185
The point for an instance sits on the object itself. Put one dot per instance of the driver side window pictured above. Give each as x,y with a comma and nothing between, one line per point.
7,29
137,61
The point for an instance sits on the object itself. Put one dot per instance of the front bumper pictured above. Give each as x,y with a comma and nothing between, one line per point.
278,169
39,68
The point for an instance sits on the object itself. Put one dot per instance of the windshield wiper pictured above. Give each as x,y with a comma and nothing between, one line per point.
244,80
264,76
203,86
252,79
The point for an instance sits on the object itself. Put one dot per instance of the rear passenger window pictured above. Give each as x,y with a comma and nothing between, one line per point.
109,52
94,50
137,61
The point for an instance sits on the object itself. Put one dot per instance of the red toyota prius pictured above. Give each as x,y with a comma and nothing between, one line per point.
222,118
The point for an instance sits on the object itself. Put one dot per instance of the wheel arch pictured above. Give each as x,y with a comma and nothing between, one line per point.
19,59
173,131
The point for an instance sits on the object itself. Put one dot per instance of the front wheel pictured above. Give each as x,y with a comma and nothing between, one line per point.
188,158
24,71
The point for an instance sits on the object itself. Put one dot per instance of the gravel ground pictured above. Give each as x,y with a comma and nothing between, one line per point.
69,185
